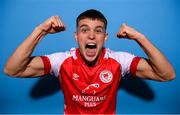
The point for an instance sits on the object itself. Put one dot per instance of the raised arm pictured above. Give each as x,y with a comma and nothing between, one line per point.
157,67
21,63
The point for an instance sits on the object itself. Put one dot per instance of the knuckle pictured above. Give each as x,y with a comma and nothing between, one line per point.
52,17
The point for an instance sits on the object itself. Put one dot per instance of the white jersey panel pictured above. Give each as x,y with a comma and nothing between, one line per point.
124,58
56,60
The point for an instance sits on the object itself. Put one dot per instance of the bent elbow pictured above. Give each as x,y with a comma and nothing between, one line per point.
9,72
172,75
168,76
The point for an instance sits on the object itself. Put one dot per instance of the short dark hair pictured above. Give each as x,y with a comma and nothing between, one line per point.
92,14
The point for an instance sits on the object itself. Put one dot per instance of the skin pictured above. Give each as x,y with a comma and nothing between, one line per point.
157,67
90,31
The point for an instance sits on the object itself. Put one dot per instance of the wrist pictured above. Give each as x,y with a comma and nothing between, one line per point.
38,33
39,29
140,38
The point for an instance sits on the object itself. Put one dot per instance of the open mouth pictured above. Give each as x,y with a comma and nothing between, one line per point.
91,49
91,46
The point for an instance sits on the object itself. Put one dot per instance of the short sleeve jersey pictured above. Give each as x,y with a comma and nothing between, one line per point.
90,90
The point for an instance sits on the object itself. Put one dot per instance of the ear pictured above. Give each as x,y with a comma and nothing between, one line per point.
106,37
75,35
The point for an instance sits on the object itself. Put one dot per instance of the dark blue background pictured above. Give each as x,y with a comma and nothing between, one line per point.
157,19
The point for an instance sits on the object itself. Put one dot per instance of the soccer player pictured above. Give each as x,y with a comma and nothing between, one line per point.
90,74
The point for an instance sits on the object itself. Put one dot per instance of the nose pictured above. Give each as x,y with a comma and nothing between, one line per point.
91,35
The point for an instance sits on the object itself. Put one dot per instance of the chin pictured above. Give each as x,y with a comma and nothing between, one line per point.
91,61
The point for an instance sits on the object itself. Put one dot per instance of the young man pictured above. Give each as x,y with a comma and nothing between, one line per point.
89,75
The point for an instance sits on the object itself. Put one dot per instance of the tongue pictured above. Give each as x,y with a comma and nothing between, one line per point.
90,52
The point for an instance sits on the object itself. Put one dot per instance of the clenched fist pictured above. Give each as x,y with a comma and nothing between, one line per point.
52,25
127,32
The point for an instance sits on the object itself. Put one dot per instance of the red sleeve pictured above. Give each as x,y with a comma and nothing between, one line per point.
133,66
47,65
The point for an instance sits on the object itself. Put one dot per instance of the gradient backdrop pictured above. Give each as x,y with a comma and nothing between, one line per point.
159,20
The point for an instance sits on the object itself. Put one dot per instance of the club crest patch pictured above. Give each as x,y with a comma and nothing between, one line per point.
106,76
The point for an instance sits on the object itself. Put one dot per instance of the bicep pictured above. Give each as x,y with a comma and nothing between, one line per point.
34,68
145,70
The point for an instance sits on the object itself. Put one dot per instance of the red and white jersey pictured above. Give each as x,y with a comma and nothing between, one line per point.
86,89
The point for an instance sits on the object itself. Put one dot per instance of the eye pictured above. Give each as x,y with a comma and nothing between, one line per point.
99,30
84,30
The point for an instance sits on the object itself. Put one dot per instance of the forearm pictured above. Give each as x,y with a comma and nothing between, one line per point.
20,58
158,61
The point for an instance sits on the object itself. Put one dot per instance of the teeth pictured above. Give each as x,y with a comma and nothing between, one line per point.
91,44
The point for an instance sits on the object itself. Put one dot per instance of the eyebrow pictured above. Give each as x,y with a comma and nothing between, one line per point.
84,25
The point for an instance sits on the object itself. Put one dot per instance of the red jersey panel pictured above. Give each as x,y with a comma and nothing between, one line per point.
90,90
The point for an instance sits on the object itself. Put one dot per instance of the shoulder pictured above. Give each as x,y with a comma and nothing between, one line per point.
62,55
52,62
59,57
117,55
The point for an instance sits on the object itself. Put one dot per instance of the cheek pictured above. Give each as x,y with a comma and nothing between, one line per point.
81,41
101,41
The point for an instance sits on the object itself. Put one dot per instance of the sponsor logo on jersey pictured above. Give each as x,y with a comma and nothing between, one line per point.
106,76
75,76
88,100
91,89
